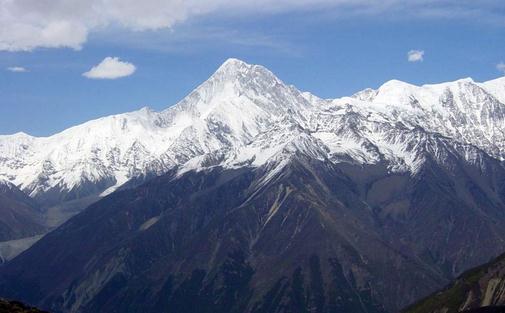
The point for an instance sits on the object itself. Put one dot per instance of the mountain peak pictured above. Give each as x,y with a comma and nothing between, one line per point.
235,78
234,62
18,135
395,83
465,80
233,69
233,65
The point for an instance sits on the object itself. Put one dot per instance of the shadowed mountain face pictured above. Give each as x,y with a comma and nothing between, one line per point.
297,234
19,214
479,290
202,241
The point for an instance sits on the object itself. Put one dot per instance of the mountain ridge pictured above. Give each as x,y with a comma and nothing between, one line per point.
144,142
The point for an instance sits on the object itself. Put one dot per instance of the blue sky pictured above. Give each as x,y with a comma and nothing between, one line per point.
332,50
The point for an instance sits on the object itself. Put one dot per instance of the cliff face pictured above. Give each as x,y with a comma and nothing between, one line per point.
479,290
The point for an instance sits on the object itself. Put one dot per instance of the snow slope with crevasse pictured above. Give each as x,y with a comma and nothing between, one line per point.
245,116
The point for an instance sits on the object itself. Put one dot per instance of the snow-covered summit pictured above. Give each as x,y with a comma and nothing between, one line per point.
243,115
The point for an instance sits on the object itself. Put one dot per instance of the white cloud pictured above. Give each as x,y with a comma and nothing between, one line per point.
29,24
17,69
501,67
415,55
110,68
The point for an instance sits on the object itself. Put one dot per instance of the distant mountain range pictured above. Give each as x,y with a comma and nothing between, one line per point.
251,196
244,115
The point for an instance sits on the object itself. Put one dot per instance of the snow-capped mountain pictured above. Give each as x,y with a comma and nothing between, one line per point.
244,115
273,200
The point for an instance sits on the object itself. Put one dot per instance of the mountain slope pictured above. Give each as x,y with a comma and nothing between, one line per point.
223,240
294,234
16,307
474,290
19,215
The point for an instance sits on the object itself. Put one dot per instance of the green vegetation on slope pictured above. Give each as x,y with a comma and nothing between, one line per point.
450,299
16,307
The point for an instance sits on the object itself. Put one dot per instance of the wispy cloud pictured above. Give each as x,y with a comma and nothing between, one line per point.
17,69
198,36
110,68
501,67
29,24
415,56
